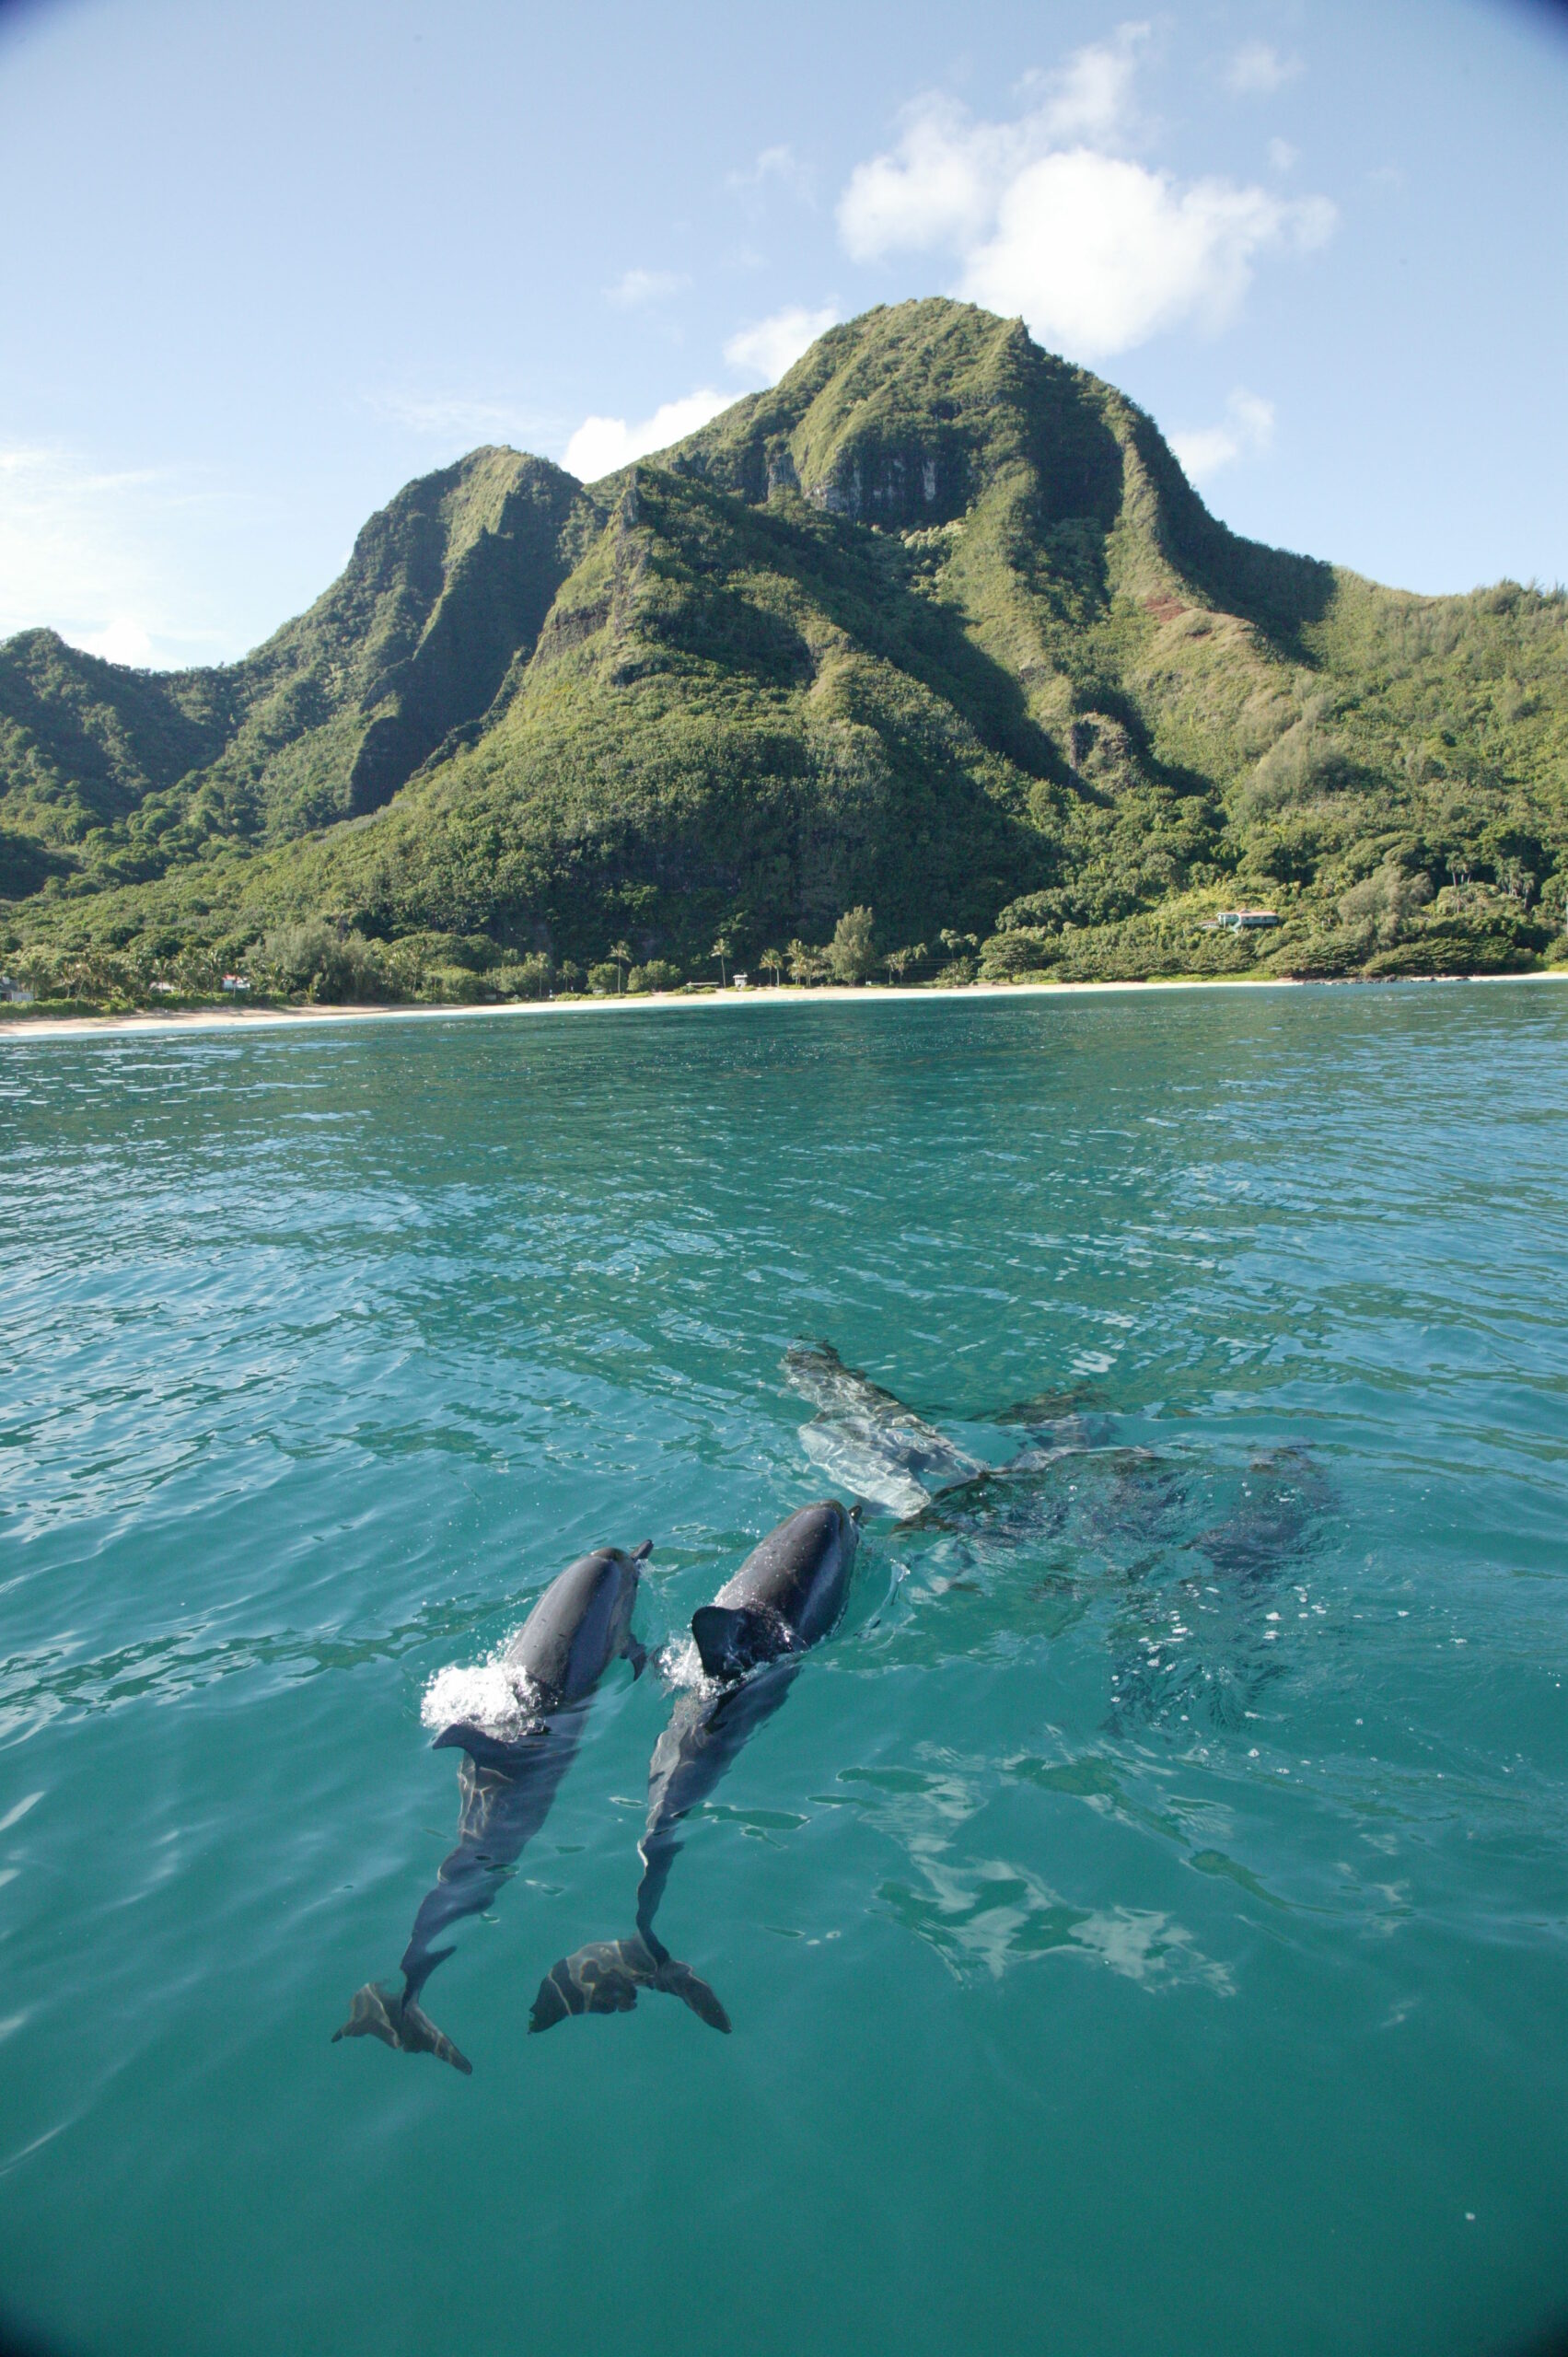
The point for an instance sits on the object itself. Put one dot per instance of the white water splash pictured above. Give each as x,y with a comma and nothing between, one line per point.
681,1665
494,1696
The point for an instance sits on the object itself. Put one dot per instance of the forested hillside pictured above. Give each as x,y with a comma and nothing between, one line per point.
934,629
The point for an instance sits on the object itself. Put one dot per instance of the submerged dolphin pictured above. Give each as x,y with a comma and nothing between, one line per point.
868,1440
581,1624
785,1597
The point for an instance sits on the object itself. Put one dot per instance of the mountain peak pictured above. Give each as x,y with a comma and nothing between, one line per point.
936,625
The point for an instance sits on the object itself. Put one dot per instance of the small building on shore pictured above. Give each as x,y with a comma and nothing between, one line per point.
1240,921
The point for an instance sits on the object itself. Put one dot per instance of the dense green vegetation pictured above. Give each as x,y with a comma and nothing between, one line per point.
934,638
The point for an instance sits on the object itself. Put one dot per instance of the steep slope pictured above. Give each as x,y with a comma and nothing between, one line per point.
936,625
445,588
83,743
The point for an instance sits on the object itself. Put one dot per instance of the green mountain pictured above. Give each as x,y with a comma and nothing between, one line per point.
935,627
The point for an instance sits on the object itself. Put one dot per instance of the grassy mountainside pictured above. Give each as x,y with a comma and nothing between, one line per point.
133,771
937,627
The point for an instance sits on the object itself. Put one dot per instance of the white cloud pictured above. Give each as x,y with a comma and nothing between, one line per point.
1248,432
1099,254
600,445
940,187
461,419
1096,250
1283,155
775,344
947,174
82,551
1257,70
1090,98
124,640
778,166
636,288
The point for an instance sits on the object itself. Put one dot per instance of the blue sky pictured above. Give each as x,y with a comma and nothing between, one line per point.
262,263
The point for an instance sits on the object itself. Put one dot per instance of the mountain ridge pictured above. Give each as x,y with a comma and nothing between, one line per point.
936,625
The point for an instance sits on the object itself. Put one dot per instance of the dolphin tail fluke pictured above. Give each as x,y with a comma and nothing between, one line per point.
379,2012
677,1979
604,1978
598,1978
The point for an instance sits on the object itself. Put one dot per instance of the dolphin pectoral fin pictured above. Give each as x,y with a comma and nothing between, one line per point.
397,2021
638,1654
732,1639
640,1554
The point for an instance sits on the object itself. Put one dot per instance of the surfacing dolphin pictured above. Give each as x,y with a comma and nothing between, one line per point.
785,1597
867,1441
581,1624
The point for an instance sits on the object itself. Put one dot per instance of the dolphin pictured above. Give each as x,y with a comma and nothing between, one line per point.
786,1597
581,1624
880,1450
1199,1649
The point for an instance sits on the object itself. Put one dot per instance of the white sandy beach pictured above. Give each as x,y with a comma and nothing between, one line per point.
95,1026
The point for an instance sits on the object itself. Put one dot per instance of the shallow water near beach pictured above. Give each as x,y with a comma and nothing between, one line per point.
1145,1925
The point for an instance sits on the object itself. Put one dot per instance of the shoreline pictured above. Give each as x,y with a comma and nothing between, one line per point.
211,1019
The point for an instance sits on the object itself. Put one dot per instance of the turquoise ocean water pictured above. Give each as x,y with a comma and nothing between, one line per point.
1144,1927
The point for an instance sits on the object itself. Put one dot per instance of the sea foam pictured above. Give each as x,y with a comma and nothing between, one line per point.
493,1695
680,1665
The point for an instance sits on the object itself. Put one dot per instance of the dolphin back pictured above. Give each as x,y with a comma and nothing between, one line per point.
798,1578
581,1624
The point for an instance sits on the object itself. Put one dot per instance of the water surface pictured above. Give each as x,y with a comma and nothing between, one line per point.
1145,1926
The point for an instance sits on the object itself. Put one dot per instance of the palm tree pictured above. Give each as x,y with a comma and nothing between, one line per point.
724,950
897,962
623,956
772,961
806,965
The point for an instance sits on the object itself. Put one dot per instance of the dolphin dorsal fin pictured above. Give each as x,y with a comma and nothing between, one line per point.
731,1639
